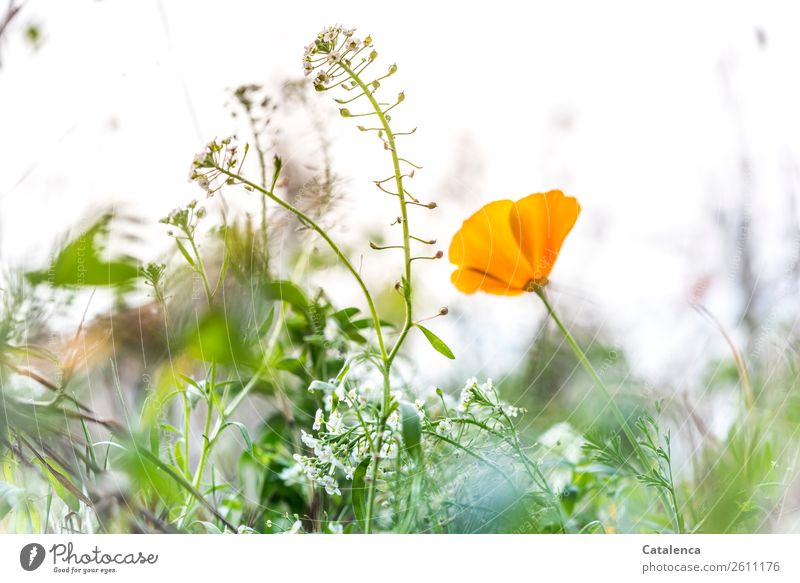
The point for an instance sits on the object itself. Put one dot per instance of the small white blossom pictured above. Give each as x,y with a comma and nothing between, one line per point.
445,427
308,439
393,421
389,450
330,485
335,423
203,182
318,418
293,474
200,159
322,78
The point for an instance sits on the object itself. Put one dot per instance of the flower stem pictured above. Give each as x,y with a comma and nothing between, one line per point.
309,222
647,463
401,194
406,286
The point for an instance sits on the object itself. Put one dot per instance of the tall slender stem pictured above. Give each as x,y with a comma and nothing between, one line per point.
308,221
401,194
647,463
406,284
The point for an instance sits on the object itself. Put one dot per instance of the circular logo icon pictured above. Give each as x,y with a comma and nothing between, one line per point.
31,556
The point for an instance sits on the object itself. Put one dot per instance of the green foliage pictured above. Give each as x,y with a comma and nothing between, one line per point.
437,343
80,264
240,397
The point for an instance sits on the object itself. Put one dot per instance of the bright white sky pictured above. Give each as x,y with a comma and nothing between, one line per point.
643,113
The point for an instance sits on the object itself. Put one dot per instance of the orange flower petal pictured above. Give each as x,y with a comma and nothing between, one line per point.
540,223
486,246
469,281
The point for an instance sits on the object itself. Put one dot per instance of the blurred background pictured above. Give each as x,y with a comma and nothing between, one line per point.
676,127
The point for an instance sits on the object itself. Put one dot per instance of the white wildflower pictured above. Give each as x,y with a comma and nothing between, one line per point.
293,474
308,439
445,427
389,450
330,485
322,78
203,182
335,423
393,421
318,418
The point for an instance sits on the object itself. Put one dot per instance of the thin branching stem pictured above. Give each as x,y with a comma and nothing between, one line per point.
647,463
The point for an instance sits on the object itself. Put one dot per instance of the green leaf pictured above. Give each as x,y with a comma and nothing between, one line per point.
286,291
62,486
411,429
185,254
180,461
80,262
243,430
342,317
360,492
321,386
294,366
267,323
218,338
437,343
345,313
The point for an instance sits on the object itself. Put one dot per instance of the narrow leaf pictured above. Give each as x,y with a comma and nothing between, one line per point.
437,343
360,492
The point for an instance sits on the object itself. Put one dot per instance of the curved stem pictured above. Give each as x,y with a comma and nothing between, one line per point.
401,194
408,321
198,476
647,463
201,270
308,221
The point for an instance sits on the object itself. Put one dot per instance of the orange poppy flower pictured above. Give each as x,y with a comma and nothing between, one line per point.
508,247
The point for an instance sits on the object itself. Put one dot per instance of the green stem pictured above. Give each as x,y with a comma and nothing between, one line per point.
308,221
398,177
621,419
201,270
206,427
385,358
406,285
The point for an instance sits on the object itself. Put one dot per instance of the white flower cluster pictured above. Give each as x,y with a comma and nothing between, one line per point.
206,164
345,429
332,456
485,395
334,46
